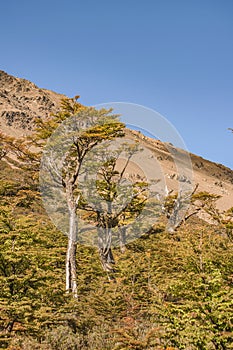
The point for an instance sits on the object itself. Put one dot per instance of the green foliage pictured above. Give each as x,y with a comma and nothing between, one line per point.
171,291
30,263
45,128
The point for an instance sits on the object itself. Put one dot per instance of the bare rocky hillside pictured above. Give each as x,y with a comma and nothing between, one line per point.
211,177
21,102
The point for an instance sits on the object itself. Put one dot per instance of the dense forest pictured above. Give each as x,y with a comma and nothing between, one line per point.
163,290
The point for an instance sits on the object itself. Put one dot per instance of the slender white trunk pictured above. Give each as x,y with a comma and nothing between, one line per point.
71,268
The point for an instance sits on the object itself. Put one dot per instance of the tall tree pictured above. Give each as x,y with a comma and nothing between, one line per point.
83,129
110,203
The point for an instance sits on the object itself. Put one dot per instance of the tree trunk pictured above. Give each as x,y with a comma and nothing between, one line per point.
105,251
107,259
71,268
122,238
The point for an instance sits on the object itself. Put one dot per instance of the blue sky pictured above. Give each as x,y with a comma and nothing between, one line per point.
174,56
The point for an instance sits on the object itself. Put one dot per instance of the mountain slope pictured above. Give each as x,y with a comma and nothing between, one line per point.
21,102
211,177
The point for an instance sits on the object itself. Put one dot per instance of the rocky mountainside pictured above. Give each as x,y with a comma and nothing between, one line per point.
211,177
21,102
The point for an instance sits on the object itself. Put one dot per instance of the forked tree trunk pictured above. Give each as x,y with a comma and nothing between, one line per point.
71,268
107,259
105,251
